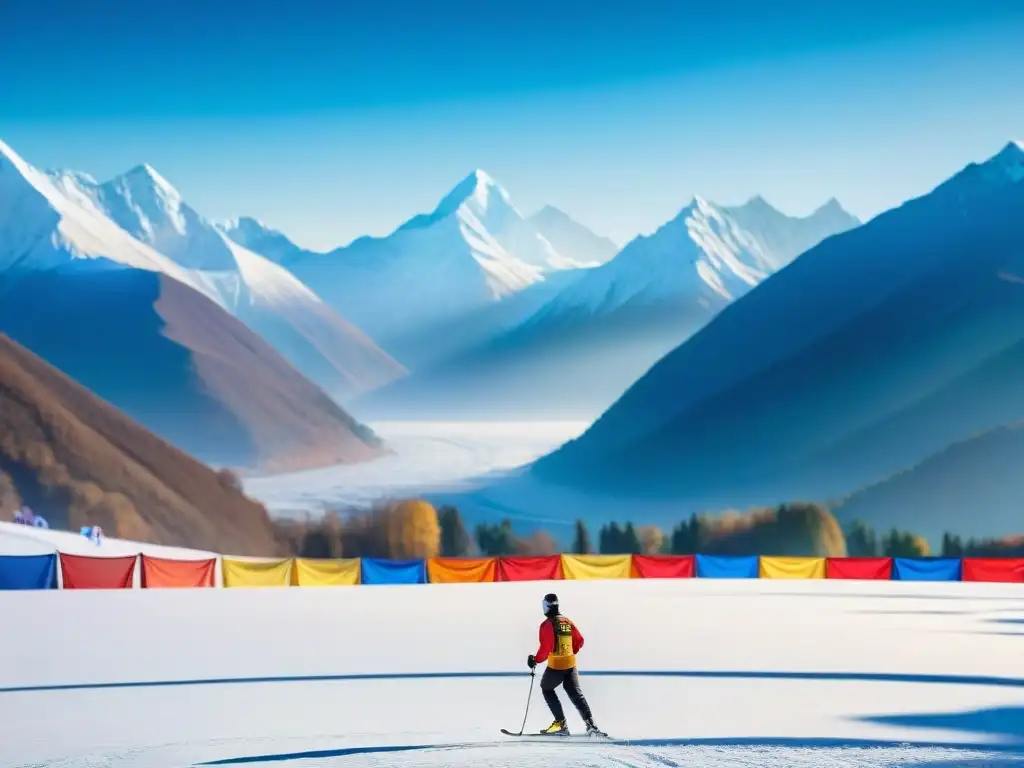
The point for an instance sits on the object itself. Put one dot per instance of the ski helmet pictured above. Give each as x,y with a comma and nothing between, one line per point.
550,603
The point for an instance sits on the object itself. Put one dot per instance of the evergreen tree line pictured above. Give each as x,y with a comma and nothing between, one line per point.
414,529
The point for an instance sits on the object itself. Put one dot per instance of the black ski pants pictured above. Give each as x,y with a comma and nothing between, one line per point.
570,680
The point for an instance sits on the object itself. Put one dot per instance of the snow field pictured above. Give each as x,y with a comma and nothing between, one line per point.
749,672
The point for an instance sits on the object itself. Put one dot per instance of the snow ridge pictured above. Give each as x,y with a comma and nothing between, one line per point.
140,220
253,234
48,220
708,254
474,249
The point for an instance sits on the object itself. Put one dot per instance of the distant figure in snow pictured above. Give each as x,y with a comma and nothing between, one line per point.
560,641
25,516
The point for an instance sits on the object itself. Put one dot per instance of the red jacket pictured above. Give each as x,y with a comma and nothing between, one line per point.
547,641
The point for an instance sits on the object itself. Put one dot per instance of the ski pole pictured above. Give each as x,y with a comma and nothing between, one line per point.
533,676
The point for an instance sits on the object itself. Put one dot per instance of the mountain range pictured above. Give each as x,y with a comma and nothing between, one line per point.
441,268
872,351
150,332
734,356
571,349
263,295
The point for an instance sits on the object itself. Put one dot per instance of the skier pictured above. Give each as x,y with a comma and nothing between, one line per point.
560,641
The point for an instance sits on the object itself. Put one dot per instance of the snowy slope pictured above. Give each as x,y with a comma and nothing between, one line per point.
870,352
47,220
258,237
570,237
708,255
265,296
473,250
737,672
26,540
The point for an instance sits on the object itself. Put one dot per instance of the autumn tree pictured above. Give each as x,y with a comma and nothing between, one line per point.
399,530
229,479
413,530
455,539
537,543
795,529
652,539
10,500
581,544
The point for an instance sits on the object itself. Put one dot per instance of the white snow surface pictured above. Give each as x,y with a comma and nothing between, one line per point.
707,255
709,673
261,238
474,249
427,457
16,539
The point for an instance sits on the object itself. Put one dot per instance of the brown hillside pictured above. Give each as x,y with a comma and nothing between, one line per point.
181,366
78,460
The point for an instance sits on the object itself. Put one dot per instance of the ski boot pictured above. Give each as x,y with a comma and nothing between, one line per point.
593,730
557,728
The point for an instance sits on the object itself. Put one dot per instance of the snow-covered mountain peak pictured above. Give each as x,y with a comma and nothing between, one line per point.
145,204
478,195
1009,162
698,203
757,202
144,179
50,219
707,254
988,176
551,213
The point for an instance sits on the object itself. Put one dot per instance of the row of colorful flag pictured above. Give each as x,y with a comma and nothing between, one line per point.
65,571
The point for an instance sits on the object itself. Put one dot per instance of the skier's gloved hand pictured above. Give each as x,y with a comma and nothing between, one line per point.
530,661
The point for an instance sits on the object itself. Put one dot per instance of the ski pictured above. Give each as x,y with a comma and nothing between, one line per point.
557,736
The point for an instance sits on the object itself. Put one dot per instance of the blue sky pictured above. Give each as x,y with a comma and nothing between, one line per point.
330,120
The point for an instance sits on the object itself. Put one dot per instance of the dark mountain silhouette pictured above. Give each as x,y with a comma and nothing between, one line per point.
973,486
870,352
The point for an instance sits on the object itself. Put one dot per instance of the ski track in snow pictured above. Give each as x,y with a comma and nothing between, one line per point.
726,673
